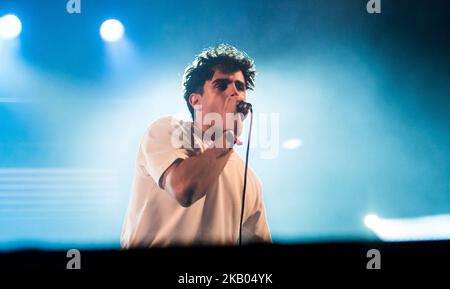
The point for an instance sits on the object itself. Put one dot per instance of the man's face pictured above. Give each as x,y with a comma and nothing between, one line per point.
220,95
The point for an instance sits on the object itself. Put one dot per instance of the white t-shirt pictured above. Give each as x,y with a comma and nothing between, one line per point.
155,219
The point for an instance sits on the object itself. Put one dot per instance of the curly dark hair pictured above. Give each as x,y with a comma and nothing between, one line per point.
224,57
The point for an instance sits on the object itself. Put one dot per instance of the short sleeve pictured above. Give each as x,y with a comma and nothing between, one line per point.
158,148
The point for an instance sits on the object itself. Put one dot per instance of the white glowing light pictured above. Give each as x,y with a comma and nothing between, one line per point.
112,30
435,227
292,144
10,26
371,221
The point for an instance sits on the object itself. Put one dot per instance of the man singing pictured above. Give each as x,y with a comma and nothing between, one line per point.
191,194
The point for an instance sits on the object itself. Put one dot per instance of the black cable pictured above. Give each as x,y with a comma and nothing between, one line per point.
245,176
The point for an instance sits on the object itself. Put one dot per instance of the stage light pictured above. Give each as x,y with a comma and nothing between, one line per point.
10,26
112,30
371,221
424,228
292,144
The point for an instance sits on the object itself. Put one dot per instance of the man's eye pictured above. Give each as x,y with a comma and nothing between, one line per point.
240,86
222,86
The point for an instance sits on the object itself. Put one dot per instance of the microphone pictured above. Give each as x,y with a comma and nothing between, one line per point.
243,107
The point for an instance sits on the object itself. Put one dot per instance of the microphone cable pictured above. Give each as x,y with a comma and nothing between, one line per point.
249,107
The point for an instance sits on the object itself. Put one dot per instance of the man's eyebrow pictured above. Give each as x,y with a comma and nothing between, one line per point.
222,79
227,81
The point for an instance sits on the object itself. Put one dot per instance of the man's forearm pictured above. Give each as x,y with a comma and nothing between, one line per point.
190,180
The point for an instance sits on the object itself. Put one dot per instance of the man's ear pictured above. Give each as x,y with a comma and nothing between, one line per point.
195,99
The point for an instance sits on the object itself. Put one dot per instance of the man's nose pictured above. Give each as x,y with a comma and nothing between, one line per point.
235,92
